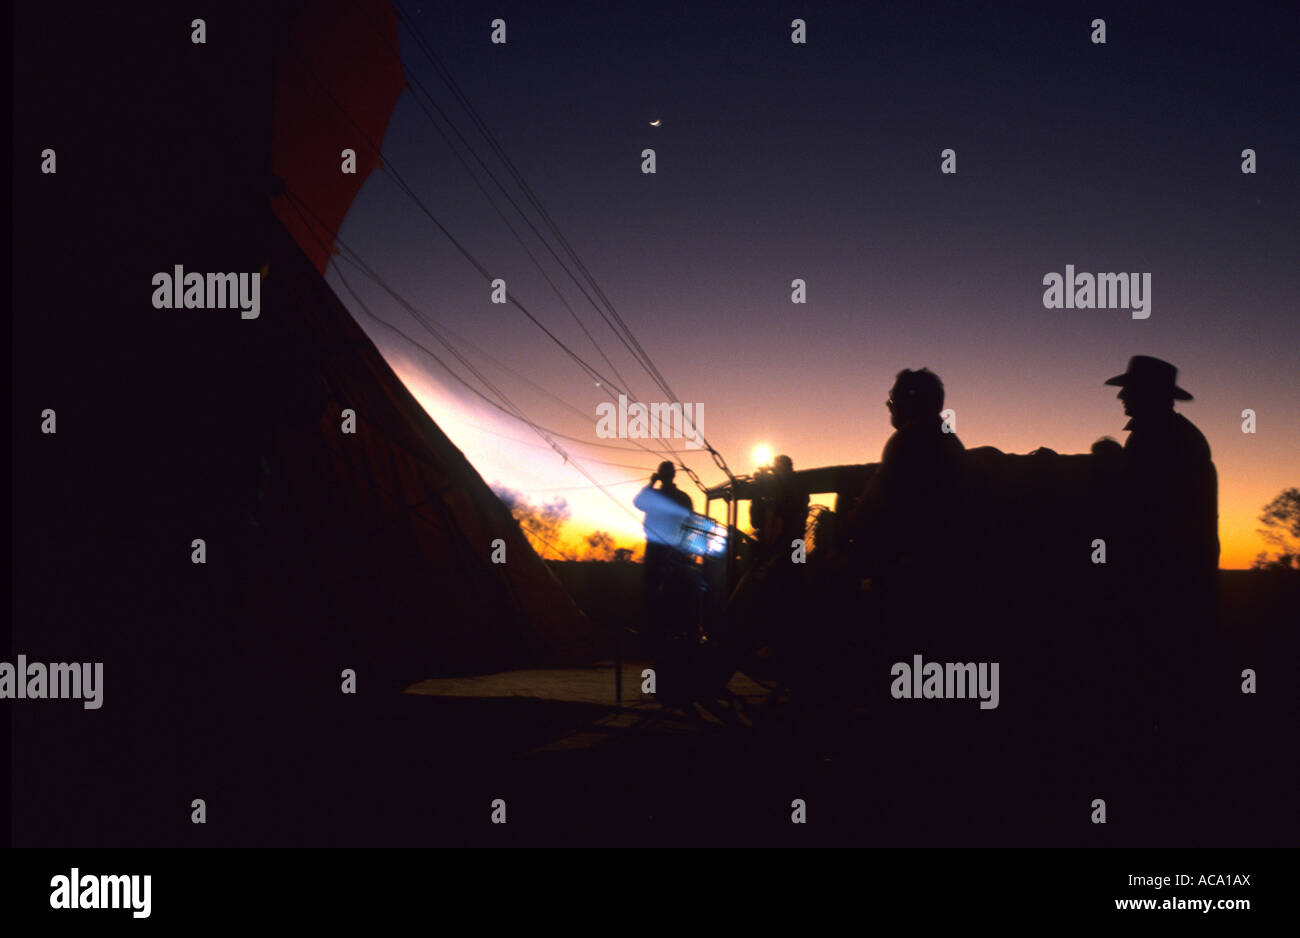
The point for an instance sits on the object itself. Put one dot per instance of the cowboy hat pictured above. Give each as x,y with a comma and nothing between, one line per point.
1151,374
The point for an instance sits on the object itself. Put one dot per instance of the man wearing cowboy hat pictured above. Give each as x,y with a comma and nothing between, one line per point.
1167,532
1169,469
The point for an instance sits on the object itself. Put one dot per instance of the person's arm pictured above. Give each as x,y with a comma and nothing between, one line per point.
643,501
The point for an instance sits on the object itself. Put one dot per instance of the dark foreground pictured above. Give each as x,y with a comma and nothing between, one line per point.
291,765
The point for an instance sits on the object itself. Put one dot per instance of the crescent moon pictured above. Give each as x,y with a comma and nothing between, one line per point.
656,122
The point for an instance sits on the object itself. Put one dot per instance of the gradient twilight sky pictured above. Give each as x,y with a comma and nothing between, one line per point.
821,161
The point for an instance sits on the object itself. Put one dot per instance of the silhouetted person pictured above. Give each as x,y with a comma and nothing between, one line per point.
906,512
1170,474
780,512
665,509
1169,556
765,602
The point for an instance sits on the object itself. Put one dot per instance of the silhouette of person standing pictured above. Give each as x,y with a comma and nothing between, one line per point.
780,513
766,600
907,508
1169,558
665,509
1172,480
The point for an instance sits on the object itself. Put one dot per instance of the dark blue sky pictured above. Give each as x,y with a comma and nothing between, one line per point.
821,161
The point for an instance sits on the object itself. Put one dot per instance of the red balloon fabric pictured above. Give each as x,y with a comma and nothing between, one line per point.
336,86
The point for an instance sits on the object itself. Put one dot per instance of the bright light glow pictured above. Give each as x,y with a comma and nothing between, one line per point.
762,455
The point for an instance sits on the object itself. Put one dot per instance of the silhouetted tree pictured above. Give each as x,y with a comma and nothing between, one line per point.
600,546
1281,519
542,524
